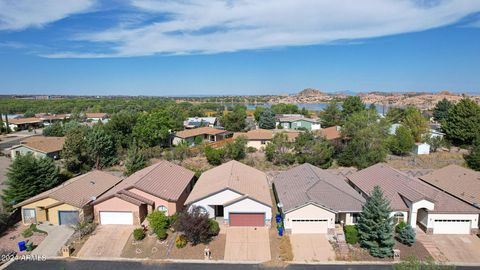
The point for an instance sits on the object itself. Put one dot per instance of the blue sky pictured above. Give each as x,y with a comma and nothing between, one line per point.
220,47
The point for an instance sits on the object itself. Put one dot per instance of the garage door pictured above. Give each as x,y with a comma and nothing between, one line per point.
451,226
125,218
309,226
247,219
68,217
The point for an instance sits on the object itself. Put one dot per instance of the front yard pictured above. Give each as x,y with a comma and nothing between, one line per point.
10,238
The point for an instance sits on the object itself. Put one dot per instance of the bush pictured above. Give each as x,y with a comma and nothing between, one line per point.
407,236
138,234
159,222
214,156
214,227
84,228
351,234
251,149
180,241
400,226
34,228
161,234
194,225
27,233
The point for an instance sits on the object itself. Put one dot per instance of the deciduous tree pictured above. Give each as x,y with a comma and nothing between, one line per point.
101,147
314,150
235,120
331,116
415,122
279,151
135,160
402,142
194,225
75,152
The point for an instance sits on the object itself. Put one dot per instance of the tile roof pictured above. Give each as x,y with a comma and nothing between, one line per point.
96,115
308,184
79,190
294,119
265,134
164,180
461,182
330,133
43,144
235,176
29,120
397,185
199,131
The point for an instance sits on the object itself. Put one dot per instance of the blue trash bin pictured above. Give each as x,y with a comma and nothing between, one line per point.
22,246
280,231
278,218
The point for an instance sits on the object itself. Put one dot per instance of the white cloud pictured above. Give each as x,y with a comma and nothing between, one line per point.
215,26
21,14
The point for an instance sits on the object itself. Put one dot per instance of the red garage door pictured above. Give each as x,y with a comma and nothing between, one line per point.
247,219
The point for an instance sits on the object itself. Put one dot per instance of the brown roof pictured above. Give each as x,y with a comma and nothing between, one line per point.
330,133
96,115
294,119
29,120
79,190
54,117
397,185
43,144
458,181
164,180
234,176
265,134
199,131
306,184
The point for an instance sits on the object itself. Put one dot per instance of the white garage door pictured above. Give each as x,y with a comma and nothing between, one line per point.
451,226
125,218
309,226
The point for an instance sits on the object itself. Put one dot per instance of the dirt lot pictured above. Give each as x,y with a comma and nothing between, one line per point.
9,239
432,161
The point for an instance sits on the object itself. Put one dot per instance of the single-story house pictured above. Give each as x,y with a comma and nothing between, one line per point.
195,122
207,134
313,200
24,123
416,202
235,194
49,119
96,117
460,182
163,186
435,133
298,123
70,202
258,138
421,149
330,133
39,146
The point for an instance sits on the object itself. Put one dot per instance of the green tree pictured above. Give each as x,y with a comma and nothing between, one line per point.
155,128
415,122
314,150
402,142
101,147
159,222
28,176
258,111
267,119
214,156
331,116
235,120
462,123
440,112
366,140
237,149
195,225
29,113
279,151
55,130
435,142
395,115
473,158
135,160
407,236
375,225
283,108
351,105
120,126
75,154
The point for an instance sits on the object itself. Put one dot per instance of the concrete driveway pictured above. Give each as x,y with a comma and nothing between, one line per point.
458,248
57,237
247,244
311,248
106,241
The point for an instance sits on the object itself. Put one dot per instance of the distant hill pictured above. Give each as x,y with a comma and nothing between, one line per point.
310,92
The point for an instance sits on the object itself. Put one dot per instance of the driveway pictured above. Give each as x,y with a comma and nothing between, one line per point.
57,237
247,244
458,248
311,248
106,241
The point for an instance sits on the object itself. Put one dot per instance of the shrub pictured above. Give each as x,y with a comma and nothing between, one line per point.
407,236
172,219
159,222
194,225
138,234
214,227
400,226
34,228
180,241
84,228
351,234
251,149
27,233
161,234
214,156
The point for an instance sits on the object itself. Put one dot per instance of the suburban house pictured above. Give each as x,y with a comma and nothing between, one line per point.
163,186
460,182
207,134
313,200
96,117
235,194
70,202
49,119
298,123
258,138
195,122
416,202
39,146
24,123
330,133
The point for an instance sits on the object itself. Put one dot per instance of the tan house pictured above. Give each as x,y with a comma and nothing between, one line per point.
24,123
163,186
205,134
68,203
39,146
258,138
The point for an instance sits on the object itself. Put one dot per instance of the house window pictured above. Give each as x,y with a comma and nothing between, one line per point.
262,141
398,217
355,217
162,208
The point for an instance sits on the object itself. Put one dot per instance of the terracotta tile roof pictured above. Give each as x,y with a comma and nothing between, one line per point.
199,131
43,144
397,185
79,190
265,134
308,184
330,133
461,182
163,179
235,176
29,120
96,115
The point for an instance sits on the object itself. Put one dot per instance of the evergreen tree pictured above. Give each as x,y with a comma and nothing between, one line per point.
375,225
28,176
101,147
55,130
473,158
402,142
351,105
440,112
258,111
135,160
235,120
279,150
331,116
407,236
267,119
237,149
75,155
313,150
462,123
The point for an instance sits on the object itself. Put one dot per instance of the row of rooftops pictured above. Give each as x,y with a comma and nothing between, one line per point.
39,118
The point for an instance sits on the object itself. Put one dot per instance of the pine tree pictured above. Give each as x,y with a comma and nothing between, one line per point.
75,156
407,236
473,158
331,116
375,225
440,112
101,147
462,122
267,119
135,160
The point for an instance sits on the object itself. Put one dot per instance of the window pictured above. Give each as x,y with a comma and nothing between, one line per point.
355,217
202,210
398,217
262,141
162,208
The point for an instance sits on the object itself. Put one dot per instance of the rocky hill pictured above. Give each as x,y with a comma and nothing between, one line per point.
311,92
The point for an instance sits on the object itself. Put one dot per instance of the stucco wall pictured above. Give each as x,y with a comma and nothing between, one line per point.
309,212
171,206
22,150
248,206
117,204
51,214
257,144
216,199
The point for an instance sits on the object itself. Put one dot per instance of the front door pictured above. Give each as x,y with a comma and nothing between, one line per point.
29,215
218,210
